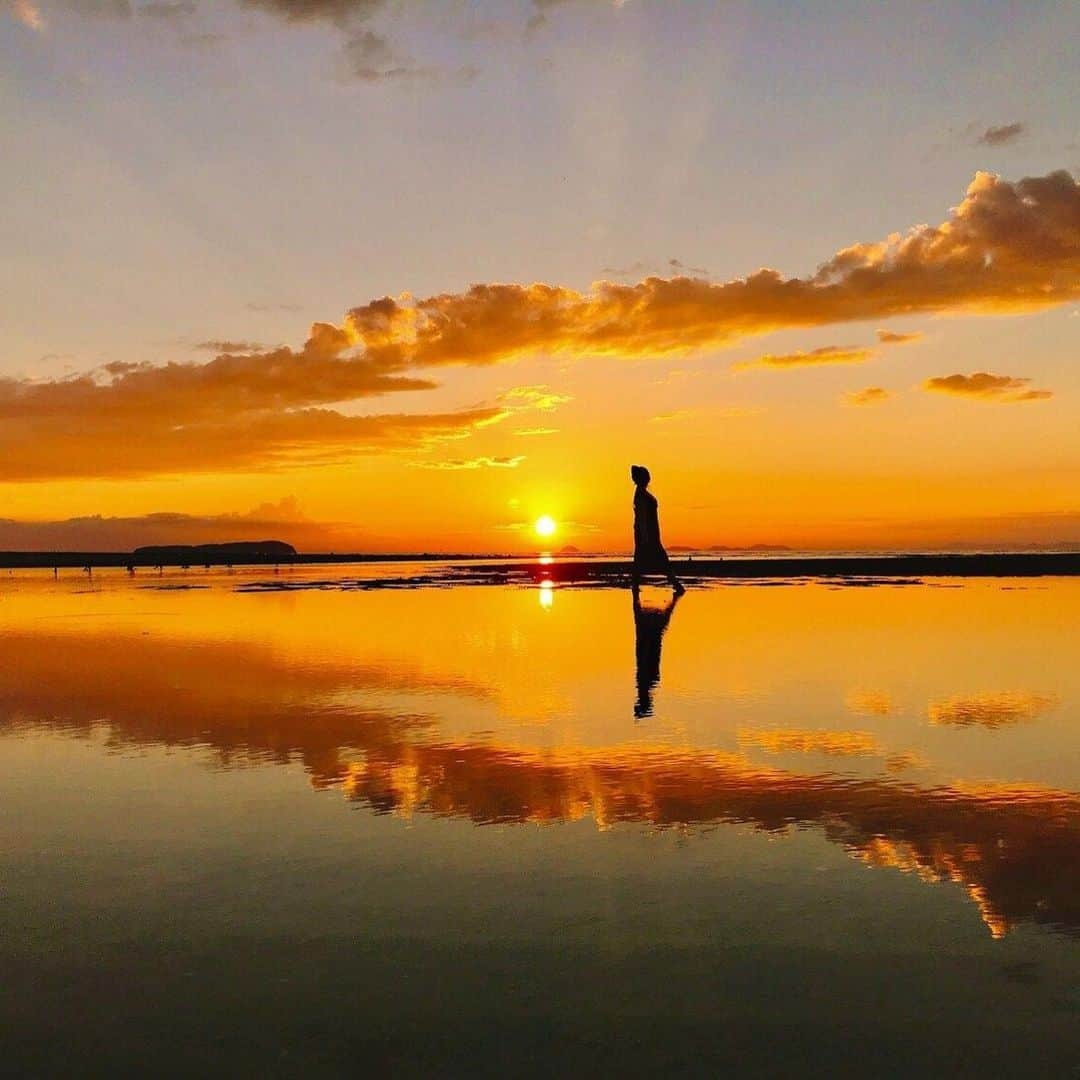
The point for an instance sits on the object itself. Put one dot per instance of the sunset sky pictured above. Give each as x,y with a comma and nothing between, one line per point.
402,276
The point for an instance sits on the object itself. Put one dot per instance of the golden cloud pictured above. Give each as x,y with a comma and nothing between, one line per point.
870,395
827,354
983,386
1008,247
264,441
474,463
540,397
893,337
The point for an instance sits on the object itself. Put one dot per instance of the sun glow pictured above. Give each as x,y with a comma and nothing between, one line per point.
547,594
545,525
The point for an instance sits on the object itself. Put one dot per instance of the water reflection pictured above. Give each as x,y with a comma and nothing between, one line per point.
442,726
991,710
650,625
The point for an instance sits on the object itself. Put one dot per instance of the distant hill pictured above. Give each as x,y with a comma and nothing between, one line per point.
569,549
253,551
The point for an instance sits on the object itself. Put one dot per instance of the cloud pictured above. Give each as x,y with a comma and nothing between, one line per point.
681,267
283,520
540,397
566,528
250,442
639,268
1001,136
474,463
339,12
827,354
229,346
537,431
174,10
366,54
871,395
633,270
1008,247
894,337
27,13
983,386
320,373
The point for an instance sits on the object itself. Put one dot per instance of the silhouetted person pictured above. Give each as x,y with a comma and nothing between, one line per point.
649,553
649,627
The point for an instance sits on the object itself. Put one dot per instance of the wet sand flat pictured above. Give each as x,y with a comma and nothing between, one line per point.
441,818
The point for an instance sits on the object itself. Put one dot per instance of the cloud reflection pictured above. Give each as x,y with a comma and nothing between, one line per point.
1014,848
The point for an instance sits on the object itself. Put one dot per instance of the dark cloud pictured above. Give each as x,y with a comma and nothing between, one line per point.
633,270
229,346
280,520
339,12
681,268
1001,136
983,386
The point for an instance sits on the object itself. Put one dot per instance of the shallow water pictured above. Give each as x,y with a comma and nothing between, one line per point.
501,829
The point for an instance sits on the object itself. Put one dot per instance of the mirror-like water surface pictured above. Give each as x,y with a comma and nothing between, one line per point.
323,829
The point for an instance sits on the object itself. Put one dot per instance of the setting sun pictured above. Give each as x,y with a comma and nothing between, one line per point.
545,525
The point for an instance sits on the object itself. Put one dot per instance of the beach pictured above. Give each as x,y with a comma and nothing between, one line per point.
428,818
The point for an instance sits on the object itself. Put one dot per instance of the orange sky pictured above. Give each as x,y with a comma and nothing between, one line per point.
906,380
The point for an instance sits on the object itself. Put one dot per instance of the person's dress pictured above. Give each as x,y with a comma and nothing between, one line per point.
649,553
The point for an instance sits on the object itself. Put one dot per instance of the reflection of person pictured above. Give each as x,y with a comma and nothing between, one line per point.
649,553
649,627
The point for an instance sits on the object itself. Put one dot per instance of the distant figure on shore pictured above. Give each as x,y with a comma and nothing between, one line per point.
649,553
649,627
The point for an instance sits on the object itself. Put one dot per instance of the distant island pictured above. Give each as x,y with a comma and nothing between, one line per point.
248,551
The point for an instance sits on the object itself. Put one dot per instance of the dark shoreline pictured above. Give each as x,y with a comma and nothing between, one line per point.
1009,564
858,568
